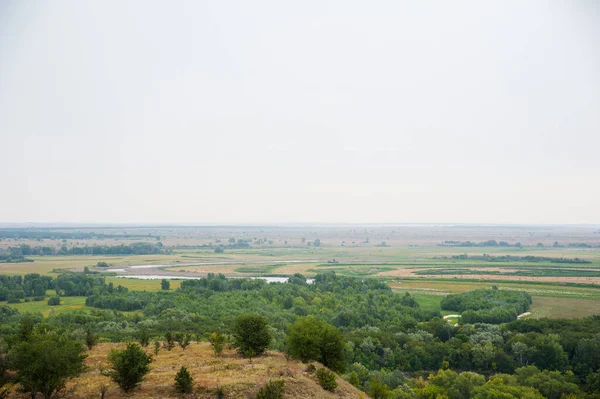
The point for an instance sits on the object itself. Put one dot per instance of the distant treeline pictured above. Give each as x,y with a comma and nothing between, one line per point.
510,258
488,243
36,234
9,258
15,288
136,248
494,243
488,306
525,272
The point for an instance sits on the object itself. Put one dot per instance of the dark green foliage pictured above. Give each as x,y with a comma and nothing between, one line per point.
327,379
251,334
18,287
310,338
271,390
46,361
487,306
54,301
102,264
129,366
165,284
184,383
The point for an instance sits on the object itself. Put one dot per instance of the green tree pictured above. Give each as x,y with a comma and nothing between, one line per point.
45,362
54,301
184,383
310,338
129,366
251,333
165,285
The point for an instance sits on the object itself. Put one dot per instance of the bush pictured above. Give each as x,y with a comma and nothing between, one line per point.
129,366
45,362
91,338
184,383
327,379
218,342
271,390
54,301
251,334
169,341
310,338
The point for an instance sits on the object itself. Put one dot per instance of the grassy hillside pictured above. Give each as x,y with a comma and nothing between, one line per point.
236,375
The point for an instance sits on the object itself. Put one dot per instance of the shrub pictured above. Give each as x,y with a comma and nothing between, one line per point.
271,390
312,339
91,338
251,334
327,379
184,383
129,366
169,341
143,337
54,301
45,362
183,340
217,341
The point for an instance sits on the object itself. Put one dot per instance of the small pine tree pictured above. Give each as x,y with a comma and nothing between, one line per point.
271,390
129,366
327,379
184,383
156,347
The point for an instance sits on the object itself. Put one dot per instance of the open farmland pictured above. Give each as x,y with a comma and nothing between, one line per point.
547,261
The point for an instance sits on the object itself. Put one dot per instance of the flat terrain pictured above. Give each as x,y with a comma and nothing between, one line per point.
235,375
546,261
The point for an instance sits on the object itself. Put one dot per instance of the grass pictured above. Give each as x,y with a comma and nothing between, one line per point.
137,284
568,308
66,304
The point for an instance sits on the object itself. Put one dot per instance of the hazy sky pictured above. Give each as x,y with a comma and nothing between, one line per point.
306,111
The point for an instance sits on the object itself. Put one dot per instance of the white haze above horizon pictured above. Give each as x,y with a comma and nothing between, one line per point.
314,111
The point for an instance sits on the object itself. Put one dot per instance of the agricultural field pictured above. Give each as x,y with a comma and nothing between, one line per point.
429,261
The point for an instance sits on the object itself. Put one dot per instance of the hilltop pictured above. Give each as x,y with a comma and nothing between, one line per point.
236,375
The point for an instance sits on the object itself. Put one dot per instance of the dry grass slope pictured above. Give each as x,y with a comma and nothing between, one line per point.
236,375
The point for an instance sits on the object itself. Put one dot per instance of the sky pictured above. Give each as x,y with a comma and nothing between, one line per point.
331,111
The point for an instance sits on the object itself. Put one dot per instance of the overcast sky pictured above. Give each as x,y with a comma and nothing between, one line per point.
307,111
